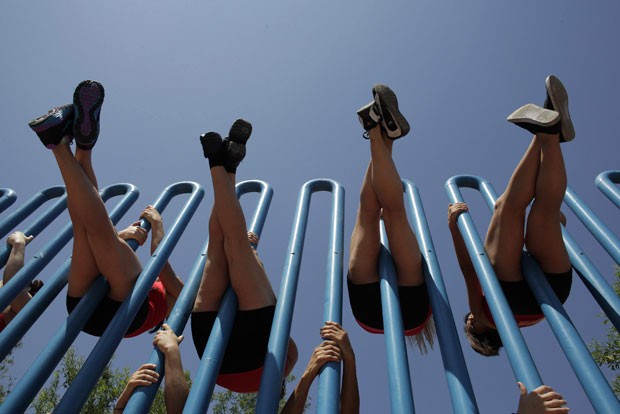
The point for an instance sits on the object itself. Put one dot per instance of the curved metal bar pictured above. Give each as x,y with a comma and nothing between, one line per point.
77,394
516,349
608,182
29,385
601,232
459,383
273,369
7,198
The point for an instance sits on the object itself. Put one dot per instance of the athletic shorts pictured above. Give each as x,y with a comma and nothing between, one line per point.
365,302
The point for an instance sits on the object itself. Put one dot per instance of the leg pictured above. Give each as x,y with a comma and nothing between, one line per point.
544,229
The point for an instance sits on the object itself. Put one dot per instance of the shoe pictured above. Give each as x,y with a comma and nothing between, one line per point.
536,119
54,125
238,136
392,121
369,117
87,101
35,286
557,100
213,148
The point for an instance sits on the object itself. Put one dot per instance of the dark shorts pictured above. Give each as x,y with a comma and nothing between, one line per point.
104,313
248,340
521,299
365,302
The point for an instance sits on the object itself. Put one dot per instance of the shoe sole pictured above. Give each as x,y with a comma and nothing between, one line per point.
87,101
535,115
559,100
385,97
240,131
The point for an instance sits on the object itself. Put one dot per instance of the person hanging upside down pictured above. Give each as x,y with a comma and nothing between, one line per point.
231,260
18,241
98,249
381,196
539,179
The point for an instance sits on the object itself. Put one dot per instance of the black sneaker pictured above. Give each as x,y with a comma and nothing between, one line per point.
369,116
536,119
87,101
54,125
238,136
213,148
557,100
392,121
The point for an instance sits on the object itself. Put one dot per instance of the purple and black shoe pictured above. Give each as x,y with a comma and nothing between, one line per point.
54,125
87,101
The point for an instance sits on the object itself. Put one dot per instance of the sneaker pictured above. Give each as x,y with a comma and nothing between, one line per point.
557,100
212,148
536,119
369,116
238,136
54,125
392,121
87,101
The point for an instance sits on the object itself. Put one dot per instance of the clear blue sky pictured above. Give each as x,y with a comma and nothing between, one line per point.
298,71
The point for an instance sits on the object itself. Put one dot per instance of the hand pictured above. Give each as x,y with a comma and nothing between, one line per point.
18,238
327,351
253,238
542,400
333,331
454,210
143,377
166,340
135,232
151,215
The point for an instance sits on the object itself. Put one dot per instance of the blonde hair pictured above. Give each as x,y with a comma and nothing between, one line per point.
425,337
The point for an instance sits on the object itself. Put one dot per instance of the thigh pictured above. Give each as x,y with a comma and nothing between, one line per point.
364,251
213,285
405,250
83,270
249,279
544,241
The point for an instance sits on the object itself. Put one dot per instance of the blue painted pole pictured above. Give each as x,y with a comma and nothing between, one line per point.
7,198
27,388
459,383
607,182
601,232
516,349
77,394
273,369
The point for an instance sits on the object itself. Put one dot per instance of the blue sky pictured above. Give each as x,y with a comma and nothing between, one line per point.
298,71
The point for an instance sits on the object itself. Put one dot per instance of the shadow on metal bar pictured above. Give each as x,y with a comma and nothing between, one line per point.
29,385
593,382
7,198
459,384
608,182
273,369
15,218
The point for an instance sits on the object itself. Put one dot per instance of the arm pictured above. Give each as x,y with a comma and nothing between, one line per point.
18,241
462,255
171,281
349,394
176,389
324,353
542,400
143,377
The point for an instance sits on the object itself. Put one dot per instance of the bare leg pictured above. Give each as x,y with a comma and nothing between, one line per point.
96,247
505,237
544,231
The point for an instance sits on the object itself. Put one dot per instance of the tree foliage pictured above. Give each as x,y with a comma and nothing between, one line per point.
228,402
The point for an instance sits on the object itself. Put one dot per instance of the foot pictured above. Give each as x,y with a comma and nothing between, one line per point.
536,119
238,136
392,121
54,125
87,101
369,116
557,100
213,148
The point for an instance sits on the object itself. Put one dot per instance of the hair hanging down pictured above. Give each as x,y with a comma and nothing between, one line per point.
486,343
424,337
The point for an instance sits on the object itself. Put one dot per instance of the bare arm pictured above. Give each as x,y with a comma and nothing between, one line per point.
349,394
18,241
176,388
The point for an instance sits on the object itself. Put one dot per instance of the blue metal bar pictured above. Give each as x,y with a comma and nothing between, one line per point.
459,383
273,369
601,232
142,397
77,394
607,182
518,354
7,198
24,211
592,380
32,381
399,380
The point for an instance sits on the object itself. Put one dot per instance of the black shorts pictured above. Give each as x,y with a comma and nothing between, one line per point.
248,340
365,302
105,311
521,299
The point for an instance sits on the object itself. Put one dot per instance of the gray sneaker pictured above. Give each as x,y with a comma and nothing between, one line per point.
557,100
392,121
